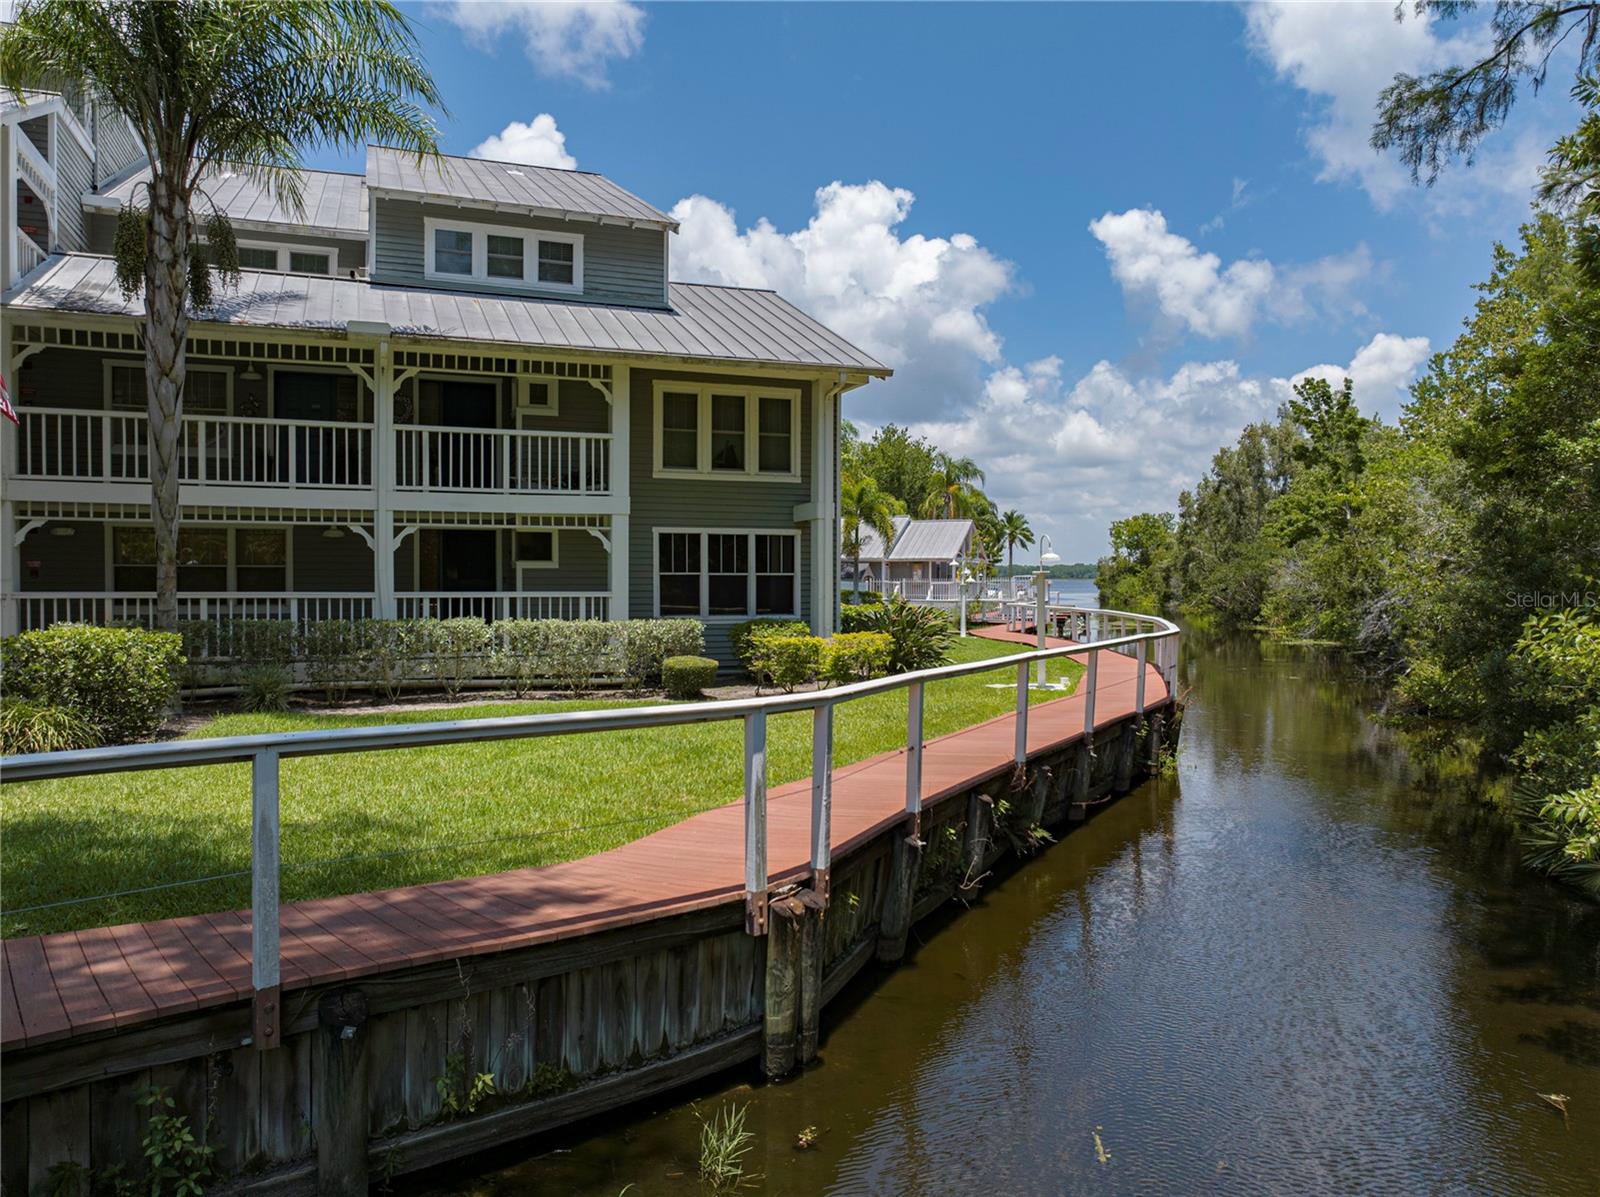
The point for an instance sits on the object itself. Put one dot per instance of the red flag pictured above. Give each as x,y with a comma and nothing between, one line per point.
6,409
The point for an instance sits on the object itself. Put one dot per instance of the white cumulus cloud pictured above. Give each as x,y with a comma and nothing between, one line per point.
1380,372
566,40
537,142
914,302
1193,291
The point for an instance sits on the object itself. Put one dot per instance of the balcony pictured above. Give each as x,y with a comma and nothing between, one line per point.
93,446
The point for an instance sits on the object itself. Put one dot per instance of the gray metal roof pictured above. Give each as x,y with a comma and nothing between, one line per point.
918,540
27,98
335,204
703,322
931,540
542,189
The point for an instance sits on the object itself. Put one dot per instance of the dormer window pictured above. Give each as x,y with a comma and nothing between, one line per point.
293,259
502,256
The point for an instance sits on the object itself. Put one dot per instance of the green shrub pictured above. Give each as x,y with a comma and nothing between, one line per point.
455,650
645,644
265,688
122,681
27,726
333,656
576,650
519,654
740,635
856,656
785,659
921,636
849,598
687,676
388,653
859,619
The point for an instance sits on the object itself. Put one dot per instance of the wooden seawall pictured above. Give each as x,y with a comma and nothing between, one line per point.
577,987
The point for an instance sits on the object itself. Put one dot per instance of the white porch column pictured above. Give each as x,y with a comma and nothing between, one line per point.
10,552
383,482
621,490
10,561
825,505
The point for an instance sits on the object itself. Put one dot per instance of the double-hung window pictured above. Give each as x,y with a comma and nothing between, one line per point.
727,574
538,259
259,255
206,389
719,431
258,557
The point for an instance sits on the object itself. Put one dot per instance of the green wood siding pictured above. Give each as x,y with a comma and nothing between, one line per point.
620,265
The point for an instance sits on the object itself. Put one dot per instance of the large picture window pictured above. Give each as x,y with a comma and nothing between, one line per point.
259,558
719,431
502,255
727,573
207,390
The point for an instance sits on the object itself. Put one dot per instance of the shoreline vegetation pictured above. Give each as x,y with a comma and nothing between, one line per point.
1453,556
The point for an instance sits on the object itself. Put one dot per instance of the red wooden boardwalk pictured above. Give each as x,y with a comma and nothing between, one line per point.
56,986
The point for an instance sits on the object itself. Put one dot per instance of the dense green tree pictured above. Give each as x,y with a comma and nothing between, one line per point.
1434,118
1134,577
205,82
862,506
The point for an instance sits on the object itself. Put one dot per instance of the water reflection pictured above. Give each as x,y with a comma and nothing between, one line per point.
1285,971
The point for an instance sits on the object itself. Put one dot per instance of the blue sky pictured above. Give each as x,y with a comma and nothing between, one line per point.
1094,240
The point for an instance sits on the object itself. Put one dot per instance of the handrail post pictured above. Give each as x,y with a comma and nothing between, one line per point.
264,871
1022,713
821,798
755,822
1138,685
914,757
1090,679
1041,588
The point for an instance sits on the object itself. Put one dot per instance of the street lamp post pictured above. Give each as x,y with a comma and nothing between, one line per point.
963,575
1041,595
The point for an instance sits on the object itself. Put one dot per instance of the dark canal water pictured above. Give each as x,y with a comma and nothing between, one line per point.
1284,971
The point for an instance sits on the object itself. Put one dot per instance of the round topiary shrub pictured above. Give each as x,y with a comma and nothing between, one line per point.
685,677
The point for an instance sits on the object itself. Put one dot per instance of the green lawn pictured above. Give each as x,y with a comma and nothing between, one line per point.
371,820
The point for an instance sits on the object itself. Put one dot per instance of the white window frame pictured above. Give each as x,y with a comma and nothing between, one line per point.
523,563
128,363
752,426
480,234
527,407
283,249
705,576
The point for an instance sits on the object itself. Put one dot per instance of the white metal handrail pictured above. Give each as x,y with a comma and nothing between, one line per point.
264,752
431,457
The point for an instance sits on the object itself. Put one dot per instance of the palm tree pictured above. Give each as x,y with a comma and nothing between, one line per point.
1014,534
203,82
954,491
861,506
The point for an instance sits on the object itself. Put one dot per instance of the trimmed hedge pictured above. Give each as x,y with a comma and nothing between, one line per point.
785,658
646,644
686,676
856,656
859,619
741,636
121,681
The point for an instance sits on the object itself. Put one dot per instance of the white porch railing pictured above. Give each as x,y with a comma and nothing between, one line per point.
510,604
429,458
35,170
29,256
39,609
68,443
915,591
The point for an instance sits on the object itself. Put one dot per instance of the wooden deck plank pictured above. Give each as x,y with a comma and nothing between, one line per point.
57,985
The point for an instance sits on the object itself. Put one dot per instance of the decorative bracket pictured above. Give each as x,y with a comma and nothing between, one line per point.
406,375
364,534
404,532
603,386
600,536
364,375
23,530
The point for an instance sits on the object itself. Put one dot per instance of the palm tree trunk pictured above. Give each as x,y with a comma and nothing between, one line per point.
857,560
166,328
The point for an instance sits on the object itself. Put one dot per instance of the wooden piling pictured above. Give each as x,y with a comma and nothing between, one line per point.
895,922
1127,750
1082,775
979,835
339,1094
812,962
780,1022
1153,740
